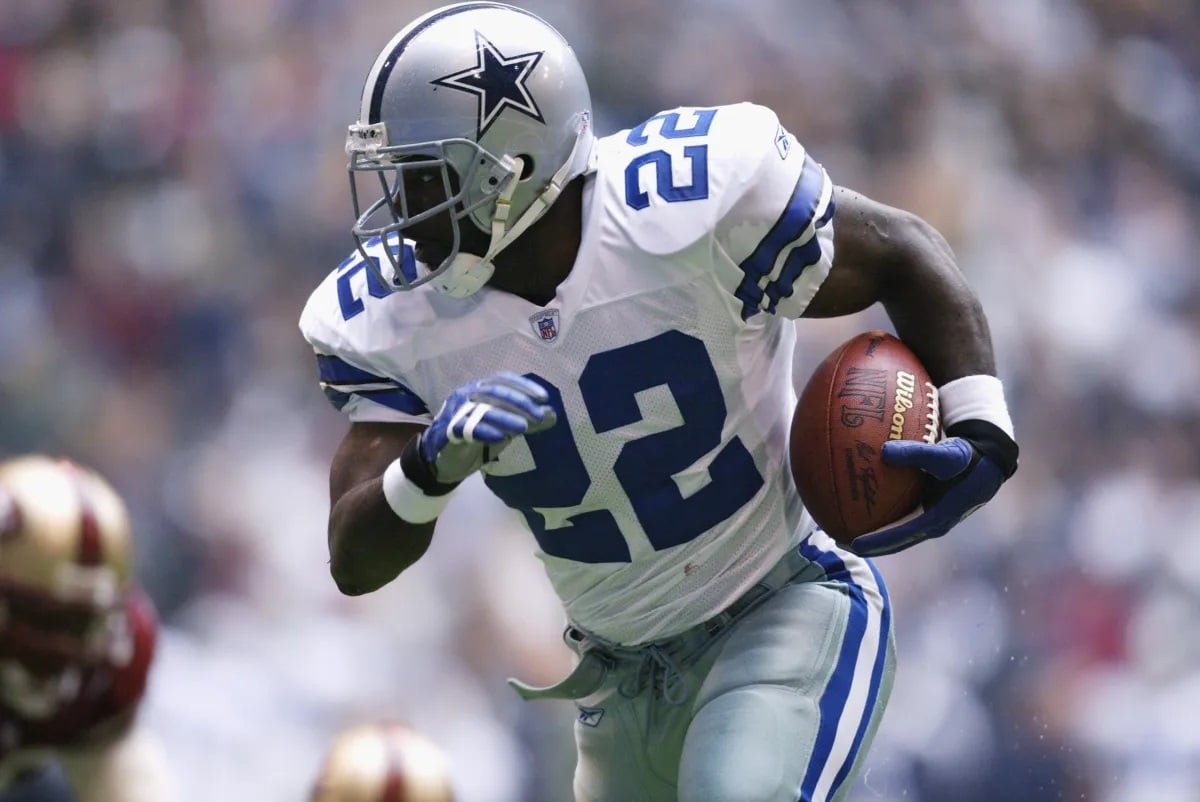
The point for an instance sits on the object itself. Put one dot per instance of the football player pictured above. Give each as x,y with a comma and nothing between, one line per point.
382,762
603,328
76,638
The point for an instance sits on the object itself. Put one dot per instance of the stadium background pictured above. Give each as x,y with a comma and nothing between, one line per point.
172,186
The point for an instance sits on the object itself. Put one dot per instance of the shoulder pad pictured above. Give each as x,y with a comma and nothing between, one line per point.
670,179
355,314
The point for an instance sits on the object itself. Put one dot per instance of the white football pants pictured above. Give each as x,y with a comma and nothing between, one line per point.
780,707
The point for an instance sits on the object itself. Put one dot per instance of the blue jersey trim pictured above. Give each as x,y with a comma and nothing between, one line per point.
342,381
790,226
400,399
335,370
800,258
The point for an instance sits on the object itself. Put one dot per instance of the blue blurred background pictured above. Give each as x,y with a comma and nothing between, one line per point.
172,187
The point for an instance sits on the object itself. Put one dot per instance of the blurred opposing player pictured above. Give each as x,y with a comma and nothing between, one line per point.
76,637
603,328
382,762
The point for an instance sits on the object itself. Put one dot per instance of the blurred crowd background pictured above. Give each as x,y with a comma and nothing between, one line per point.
172,187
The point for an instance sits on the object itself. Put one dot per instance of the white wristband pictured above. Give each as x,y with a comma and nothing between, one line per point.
408,501
979,397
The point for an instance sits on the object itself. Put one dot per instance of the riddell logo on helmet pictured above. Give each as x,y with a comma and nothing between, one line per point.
365,137
906,385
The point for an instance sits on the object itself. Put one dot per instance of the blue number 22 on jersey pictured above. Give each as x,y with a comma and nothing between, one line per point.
609,384
664,183
646,466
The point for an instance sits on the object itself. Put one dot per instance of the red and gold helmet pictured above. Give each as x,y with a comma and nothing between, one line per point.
384,762
65,566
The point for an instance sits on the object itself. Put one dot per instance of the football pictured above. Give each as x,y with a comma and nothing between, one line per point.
871,389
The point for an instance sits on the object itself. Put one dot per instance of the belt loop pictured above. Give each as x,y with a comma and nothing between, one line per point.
718,622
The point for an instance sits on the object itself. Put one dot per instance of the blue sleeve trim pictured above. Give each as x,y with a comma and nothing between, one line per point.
401,399
333,370
801,257
338,399
789,228
342,381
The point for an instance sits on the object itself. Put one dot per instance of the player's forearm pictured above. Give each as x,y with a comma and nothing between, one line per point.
933,308
369,545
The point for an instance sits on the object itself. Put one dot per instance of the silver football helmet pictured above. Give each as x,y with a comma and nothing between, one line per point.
491,100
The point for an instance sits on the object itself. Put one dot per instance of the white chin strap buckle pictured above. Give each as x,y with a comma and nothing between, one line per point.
464,276
467,272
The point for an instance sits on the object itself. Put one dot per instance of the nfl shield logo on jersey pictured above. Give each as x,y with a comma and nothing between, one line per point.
545,325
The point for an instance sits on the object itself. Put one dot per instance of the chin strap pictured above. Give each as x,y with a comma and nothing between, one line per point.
467,273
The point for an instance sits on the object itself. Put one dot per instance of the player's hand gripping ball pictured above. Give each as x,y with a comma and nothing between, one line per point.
871,390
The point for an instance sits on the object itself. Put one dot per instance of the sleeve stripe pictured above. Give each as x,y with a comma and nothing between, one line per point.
400,399
366,387
339,400
342,382
801,257
789,229
333,370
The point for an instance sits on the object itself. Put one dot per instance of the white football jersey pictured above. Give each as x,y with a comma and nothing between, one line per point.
663,492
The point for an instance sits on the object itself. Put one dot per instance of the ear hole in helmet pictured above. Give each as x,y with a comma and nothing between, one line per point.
526,166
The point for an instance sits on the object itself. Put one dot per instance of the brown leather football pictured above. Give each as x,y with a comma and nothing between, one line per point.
871,389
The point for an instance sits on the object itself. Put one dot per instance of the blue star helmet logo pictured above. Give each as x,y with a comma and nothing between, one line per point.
498,81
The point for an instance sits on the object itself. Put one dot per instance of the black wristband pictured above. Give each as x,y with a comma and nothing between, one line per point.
991,441
420,472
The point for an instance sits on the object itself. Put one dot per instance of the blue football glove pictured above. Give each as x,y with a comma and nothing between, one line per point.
965,471
477,421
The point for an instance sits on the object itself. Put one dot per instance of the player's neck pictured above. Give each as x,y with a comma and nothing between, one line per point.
542,257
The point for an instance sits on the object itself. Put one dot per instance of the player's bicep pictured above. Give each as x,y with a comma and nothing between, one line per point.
870,239
366,450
